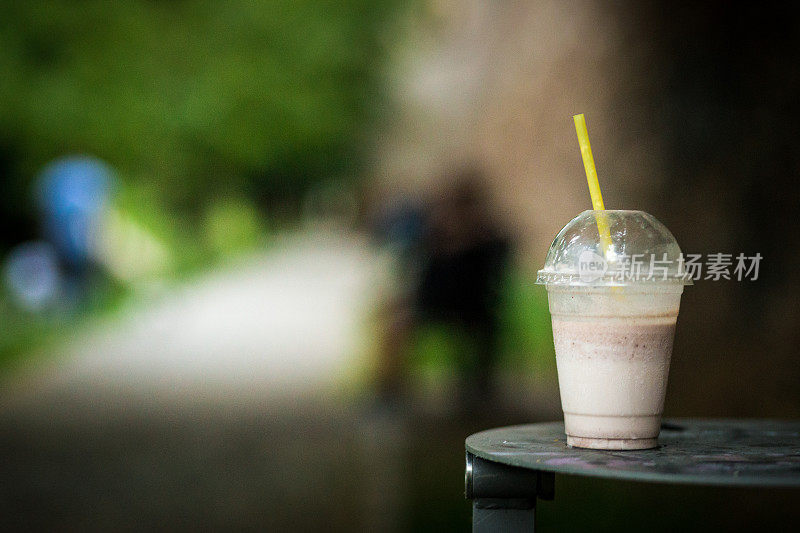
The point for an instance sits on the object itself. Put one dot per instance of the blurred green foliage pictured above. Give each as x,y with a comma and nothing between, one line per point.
24,331
527,338
192,100
216,116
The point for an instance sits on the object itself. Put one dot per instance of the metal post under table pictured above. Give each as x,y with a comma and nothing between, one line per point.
509,468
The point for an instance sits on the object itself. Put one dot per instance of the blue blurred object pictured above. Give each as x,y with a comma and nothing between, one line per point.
32,275
402,225
71,193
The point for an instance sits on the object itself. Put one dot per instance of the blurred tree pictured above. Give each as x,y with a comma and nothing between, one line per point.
192,99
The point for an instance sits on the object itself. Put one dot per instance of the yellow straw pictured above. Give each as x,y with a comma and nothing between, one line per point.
591,178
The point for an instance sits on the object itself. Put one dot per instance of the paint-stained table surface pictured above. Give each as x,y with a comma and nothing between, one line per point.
748,453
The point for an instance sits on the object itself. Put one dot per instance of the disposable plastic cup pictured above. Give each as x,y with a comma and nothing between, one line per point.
614,307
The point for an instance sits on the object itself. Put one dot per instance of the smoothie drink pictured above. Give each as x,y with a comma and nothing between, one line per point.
613,350
612,329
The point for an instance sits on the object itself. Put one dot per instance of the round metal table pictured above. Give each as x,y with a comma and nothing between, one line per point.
509,468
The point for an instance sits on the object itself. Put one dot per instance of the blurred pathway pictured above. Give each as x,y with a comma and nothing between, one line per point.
220,405
288,323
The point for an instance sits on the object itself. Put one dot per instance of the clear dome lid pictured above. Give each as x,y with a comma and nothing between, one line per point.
613,248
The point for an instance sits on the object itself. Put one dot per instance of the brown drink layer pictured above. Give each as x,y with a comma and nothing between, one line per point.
618,338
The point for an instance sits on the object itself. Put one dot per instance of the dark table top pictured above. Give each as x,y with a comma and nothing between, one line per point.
748,453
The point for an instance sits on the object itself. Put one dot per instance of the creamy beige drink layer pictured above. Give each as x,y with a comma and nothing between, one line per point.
612,373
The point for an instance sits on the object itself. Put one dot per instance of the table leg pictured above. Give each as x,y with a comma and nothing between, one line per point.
491,515
504,497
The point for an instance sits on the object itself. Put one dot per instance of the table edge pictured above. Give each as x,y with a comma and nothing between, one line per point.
645,477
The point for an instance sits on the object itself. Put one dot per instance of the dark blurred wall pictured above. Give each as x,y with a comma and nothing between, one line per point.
729,116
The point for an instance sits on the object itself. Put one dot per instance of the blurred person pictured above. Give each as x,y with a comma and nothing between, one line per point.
401,226
454,255
72,194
